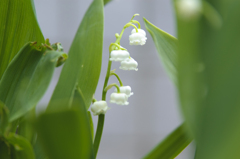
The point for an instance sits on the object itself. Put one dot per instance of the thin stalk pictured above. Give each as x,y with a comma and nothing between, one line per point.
98,135
101,117
120,82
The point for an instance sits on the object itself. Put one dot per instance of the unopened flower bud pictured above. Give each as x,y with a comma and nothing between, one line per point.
119,98
126,90
129,64
119,55
99,107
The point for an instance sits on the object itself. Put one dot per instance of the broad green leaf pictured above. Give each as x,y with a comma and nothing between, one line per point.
79,103
21,148
4,118
27,78
84,63
65,134
18,25
172,145
166,46
208,65
219,121
190,68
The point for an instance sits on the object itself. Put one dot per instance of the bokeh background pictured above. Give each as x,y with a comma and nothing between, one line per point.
130,132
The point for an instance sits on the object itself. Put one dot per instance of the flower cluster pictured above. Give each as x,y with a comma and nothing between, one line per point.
119,54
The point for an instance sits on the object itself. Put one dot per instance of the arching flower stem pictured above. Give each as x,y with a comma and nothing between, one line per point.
120,82
101,117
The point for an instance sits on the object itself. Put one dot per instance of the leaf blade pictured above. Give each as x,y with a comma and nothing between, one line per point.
84,62
172,145
18,25
166,46
26,79
57,125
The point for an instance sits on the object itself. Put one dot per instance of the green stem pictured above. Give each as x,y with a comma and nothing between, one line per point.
135,21
98,135
120,82
101,117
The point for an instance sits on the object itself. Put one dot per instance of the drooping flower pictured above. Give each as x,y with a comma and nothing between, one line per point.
129,64
99,107
126,90
137,38
119,98
119,55
139,31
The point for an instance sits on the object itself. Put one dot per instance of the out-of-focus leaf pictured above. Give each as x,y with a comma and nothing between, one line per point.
209,88
21,148
38,150
221,5
172,145
4,118
4,150
25,128
219,121
27,78
167,48
65,134
106,1
91,124
84,63
18,25
190,68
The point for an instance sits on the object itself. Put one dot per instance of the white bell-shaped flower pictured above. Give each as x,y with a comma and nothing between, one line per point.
137,38
119,55
119,98
139,31
126,90
99,107
129,64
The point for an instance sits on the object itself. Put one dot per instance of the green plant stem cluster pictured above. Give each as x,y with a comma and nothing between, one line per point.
112,46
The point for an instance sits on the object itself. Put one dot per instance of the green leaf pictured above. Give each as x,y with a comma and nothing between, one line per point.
27,78
84,63
106,1
91,124
18,25
172,145
209,88
4,118
25,128
4,150
166,46
22,149
219,118
65,134
38,150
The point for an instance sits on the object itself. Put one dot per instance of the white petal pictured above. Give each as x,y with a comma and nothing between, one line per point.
139,31
129,64
119,55
99,107
119,98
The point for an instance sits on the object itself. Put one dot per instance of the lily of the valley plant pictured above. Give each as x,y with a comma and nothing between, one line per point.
203,63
